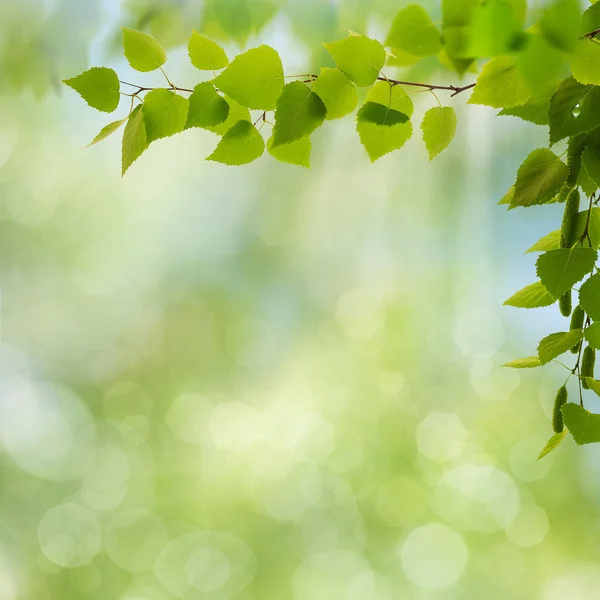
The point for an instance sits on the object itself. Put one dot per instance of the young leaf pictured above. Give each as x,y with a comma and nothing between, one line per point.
165,113
583,425
553,443
550,241
560,22
106,131
534,295
524,363
500,84
134,139
585,62
573,109
560,269
439,127
413,31
556,344
379,140
205,54
373,112
589,297
254,78
237,112
99,87
299,112
142,51
206,107
337,92
539,178
593,384
359,57
592,335
295,153
242,144
508,197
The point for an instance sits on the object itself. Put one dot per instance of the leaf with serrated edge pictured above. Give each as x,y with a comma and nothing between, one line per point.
205,54
360,58
534,295
337,92
551,241
134,139
500,84
438,127
106,131
592,335
589,297
241,145
583,425
556,344
524,363
165,114
295,153
142,51
99,87
593,384
552,443
206,107
560,269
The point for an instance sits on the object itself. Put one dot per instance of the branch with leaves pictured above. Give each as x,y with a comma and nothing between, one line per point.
522,78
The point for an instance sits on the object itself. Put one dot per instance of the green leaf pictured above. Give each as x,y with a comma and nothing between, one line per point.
134,139
593,229
589,297
593,384
142,51
373,112
439,127
99,87
591,162
553,442
206,107
379,140
242,144
585,62
299,112
534,295
573,109
295,153
592,335
205,54
560,22
524,363
583,425
237,112
550,241
508,197
495,25
539,178
560,269
590,19
360,58
254,78
556,344
500,84
106,131
534,110
165,113
457,18
413,31
337,92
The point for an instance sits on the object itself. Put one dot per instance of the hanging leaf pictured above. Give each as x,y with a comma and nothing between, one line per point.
142,51
242,144
99,87
205,54
134,139
439,127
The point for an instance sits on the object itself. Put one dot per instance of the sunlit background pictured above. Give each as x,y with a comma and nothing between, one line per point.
266,382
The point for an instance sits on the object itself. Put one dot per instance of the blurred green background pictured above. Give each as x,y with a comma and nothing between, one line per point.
264,382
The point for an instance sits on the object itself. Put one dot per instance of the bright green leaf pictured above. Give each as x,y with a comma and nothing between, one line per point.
539,178
508,197
585,62
592,335
106,131
535,110
553,442
534,295
205,54
254,78
593,384
299,112
134,139
237,112
413,31
500,84
142,51
589,297
295,153
99,87
524,363
556,344
337,92
583,425
165,113
359,57
242,144
550,241
560,269
439,127
206,107
591,162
